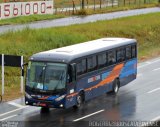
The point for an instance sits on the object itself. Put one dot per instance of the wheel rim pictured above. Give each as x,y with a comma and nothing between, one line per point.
79,101
116,88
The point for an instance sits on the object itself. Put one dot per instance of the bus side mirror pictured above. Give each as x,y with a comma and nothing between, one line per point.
22,69
73,72
22,72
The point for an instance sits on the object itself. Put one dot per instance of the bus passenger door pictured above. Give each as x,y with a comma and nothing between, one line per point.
71,85
71,78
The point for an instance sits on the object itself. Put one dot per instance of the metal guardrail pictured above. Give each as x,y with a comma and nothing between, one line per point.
71,6
75,5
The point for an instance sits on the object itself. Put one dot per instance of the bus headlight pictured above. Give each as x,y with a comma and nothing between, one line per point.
60,98
27,95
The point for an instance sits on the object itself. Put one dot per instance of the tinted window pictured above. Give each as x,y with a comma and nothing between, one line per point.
84,67
78,68
91,63
111,57
120,55
81,67
102,60
128,52
133,51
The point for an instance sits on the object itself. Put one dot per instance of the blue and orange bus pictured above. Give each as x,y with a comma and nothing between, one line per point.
71,75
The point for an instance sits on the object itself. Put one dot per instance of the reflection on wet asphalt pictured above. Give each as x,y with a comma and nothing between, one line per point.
132,103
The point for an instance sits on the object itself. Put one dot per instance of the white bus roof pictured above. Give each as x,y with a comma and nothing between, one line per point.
68,53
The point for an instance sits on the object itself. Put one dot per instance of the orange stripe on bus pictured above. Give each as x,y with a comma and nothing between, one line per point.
112,76
73,94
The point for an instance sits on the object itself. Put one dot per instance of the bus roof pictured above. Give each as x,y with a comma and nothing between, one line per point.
69,53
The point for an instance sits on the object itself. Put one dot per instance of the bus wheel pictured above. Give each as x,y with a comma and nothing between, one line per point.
80,101
115,88
44,109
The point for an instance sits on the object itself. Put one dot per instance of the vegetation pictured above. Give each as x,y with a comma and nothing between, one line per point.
117,6
83,3
29,41
102,6
112,9
28,19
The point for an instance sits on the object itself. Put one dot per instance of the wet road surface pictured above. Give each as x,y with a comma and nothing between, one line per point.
137,101
78,20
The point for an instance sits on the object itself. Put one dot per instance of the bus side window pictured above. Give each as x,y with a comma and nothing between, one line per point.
128,52
84,66
111,57
91,63
79,70
81,67
133,51
102,60
120,55
71,73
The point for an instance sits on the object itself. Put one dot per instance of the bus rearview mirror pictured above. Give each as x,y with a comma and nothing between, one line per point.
22,69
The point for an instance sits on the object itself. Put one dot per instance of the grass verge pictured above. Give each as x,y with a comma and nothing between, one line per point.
145,28
28,19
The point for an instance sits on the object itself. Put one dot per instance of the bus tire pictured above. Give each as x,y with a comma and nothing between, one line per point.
44,110
80,101
116,85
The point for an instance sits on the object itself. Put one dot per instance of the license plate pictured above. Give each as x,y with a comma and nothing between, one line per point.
43,104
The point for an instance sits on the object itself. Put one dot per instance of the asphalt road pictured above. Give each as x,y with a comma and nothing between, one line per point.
78,20
137,101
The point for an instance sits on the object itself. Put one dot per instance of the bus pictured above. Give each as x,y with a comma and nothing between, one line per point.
69,76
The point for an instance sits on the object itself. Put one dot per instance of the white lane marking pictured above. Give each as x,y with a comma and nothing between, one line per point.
154,90
149,62
156,69
88,115
145,64
8,117
16,104
156,118
12,111
140,66
154,61
138,75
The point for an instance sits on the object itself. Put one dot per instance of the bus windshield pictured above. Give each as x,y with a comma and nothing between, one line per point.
46,76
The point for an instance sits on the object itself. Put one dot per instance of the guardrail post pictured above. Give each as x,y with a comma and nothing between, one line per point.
94,5
73,6
112,3
100,4
83,4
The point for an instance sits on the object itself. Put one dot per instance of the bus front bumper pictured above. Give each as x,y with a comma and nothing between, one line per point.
44,103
